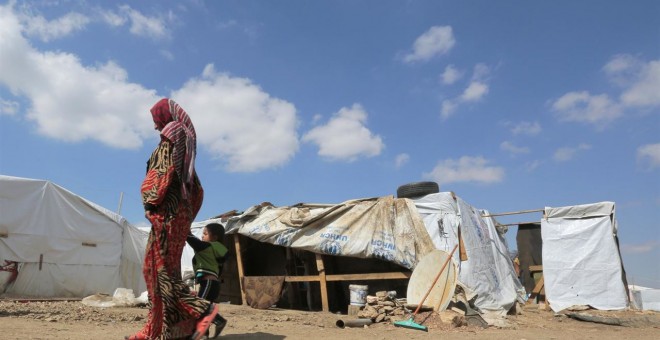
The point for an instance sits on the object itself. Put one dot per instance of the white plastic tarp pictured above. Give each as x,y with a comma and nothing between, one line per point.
488,271
66,246
385,228
644,298
581,261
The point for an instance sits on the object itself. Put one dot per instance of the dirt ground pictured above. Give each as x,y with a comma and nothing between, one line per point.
76,321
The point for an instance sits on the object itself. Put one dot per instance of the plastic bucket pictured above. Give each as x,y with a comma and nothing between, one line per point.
358,294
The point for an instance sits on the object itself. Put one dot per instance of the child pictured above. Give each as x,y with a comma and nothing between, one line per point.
207,264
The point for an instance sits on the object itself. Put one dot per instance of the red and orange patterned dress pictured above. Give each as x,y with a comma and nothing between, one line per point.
173,309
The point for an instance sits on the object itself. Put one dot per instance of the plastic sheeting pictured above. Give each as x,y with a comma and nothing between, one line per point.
386,228
581,261
488,271
644,298
67,246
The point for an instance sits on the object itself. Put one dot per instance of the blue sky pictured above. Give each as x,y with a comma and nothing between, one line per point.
513,105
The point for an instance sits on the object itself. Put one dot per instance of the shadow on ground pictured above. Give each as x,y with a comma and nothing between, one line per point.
257,335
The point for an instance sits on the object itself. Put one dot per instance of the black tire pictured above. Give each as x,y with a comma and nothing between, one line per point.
417,189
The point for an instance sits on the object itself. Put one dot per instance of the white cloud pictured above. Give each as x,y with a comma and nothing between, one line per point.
622,69
598,110
113,19
465,169
640,83
167,55
450,75
481,72
401,160
474,92
640,248
567,153
238,122
70,101
8,107
345,137
448,108
73,102
38,26
526,128
436,41
649,155
645,92
513,149
144,26
533,165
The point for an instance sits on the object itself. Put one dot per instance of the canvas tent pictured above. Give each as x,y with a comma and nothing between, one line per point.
64,245
488,270
581,260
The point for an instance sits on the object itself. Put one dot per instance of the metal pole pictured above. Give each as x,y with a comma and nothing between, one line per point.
121,198
514,213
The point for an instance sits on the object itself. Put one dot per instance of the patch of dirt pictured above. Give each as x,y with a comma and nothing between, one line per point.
76,321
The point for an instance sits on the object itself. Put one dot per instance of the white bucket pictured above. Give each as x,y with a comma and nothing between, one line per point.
358,294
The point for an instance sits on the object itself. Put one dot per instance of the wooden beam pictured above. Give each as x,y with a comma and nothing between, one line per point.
302,278
350,277
322,281
462,251
538,268
239,265
536,291
371,276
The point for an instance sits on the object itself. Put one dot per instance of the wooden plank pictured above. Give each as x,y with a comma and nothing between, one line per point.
302,278
350,277
462,251
370,276
322,281
239,265
537,268
535,292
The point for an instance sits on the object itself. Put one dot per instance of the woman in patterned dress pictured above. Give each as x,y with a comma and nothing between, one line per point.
172,195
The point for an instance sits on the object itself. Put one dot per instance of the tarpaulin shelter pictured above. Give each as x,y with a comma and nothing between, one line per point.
63,245
396,230
581,260
382,229
385,228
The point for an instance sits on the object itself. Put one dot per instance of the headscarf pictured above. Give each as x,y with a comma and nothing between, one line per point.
178,128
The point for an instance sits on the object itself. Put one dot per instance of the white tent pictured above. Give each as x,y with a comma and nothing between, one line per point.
488,270
644,298
64,245
581,260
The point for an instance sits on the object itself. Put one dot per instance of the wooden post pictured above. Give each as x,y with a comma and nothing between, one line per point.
462,252
323,282
239,265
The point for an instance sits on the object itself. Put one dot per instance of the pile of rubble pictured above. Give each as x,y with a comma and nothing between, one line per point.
383,307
